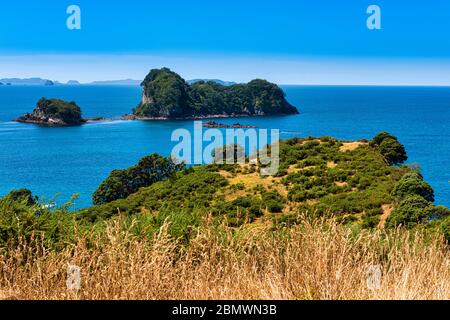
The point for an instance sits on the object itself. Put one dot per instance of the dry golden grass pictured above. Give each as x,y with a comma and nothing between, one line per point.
252,180
314,260
350,146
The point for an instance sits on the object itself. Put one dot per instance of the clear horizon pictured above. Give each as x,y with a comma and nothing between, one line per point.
282,70
288,42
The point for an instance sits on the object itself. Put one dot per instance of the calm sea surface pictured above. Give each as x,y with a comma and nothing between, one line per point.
65,161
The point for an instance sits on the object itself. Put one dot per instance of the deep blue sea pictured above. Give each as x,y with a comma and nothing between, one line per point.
65,161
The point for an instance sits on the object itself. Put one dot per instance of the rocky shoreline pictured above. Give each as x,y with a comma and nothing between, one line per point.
211,116
216,125
54,122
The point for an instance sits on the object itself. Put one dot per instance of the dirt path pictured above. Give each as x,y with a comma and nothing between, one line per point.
387,210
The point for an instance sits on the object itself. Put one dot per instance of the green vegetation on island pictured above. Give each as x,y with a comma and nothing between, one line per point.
167,95
54,112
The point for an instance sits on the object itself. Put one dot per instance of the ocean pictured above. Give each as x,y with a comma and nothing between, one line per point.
61,162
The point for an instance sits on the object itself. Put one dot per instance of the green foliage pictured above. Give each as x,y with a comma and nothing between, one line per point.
412,210
21,222
69,112
371,218
273,202
229,154
320,179
441,212
121,183
167,95
24,196
168,92
239,211
444,227
187,190
359,181
412,184
379,138
391,149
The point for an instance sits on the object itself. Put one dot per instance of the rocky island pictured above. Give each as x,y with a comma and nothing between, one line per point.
54,112
166,95
216,125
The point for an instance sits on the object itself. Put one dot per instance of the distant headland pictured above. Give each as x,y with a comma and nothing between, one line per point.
166,95
57,113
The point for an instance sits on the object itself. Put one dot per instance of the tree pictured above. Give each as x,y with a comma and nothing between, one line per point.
412,184
412,210
121,183
23,195
390,148
379,138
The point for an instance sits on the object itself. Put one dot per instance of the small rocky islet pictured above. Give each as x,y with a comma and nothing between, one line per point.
56,113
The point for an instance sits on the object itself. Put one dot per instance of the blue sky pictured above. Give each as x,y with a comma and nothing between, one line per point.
287,41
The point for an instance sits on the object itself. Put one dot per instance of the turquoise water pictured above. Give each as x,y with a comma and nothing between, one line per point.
77,159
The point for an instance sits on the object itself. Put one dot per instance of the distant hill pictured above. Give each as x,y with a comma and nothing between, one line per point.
126,82
221,82
73,82
27,82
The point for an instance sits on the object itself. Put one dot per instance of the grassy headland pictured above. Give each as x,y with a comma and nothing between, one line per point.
223,231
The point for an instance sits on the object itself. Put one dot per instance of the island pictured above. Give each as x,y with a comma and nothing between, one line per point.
166,95
27,82
73,83
55,112
217,125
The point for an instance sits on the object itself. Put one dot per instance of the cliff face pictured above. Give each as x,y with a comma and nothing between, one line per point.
167,95
54,112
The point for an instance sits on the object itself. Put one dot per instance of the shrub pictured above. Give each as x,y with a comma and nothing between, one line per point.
121,183
441,212
23,195
412,184
379,138
390,148
273,202
412,210
445,228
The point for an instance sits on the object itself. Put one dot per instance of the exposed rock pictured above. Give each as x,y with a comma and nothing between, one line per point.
213,124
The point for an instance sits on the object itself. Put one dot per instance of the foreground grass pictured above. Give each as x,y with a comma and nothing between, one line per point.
315,259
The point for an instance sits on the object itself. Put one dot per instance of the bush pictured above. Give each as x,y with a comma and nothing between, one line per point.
379,138
121,183
441,212
23,195
411,211
390,148
273,202
445,228
412,184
